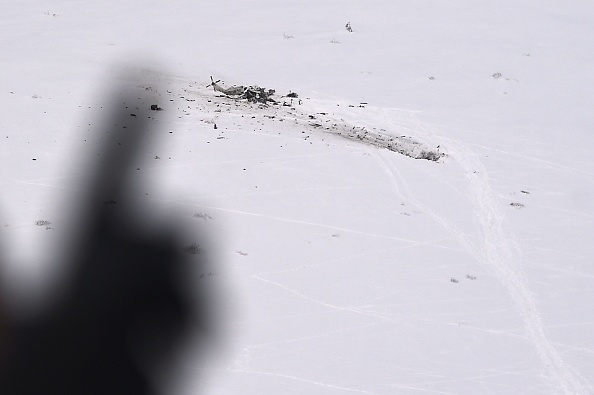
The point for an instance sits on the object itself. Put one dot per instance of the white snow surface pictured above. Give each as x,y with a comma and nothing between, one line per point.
346,268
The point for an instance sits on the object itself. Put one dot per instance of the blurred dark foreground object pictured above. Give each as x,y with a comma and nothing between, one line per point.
126,305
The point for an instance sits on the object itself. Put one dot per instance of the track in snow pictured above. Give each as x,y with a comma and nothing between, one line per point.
497,251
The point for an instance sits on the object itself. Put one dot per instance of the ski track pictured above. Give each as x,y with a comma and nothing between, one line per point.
498,252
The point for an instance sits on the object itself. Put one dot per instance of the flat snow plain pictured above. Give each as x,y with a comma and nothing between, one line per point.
346,267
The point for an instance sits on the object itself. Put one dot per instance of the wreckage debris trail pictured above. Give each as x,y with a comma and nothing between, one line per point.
256,95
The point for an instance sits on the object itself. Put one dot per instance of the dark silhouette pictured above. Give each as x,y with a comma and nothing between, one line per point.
128,299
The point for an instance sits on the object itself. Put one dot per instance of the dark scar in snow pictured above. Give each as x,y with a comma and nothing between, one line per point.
129,299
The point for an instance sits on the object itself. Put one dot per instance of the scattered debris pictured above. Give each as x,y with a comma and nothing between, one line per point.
403,144
470,277
41,222
497,75
202,216
193,249
517,205
453,280
429,155
255,94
